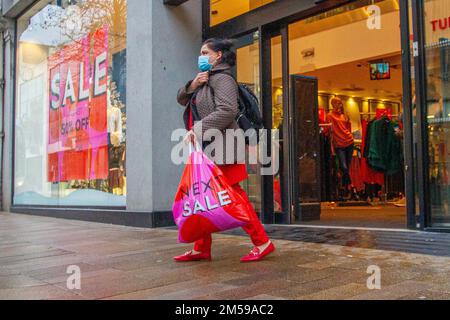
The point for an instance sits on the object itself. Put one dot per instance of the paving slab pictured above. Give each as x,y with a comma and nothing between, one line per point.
123,263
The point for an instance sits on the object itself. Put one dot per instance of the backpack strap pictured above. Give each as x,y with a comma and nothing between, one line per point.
193,106
211,73
225,72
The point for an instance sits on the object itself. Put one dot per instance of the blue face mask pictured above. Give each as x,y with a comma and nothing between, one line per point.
203,63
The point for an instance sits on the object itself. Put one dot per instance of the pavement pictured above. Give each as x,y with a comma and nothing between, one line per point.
38,256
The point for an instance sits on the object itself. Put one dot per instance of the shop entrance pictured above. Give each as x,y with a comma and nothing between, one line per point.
344,119
357,182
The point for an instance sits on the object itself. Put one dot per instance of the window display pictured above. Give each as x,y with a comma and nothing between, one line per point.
70,104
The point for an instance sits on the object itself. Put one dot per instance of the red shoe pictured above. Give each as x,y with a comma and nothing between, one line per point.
255,255
188,256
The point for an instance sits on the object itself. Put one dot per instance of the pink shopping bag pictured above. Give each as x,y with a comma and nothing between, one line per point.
205,202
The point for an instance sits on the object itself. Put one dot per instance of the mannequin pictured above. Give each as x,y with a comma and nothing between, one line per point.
114,118
342,141
115,149
123,170
115,178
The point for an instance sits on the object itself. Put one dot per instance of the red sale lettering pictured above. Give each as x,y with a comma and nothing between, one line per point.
442,24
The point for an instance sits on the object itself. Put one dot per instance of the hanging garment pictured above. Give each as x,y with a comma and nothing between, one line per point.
394,158
368,175
376,151
325,131
384,153
355,174
325,167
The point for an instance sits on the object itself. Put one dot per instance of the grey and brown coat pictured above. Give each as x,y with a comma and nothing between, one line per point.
217,106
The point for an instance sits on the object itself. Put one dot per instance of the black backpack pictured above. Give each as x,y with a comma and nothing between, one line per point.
249,116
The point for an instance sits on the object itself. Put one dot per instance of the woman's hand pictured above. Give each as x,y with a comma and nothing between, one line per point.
190,137
199,80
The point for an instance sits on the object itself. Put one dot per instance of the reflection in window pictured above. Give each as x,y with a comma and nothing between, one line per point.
71,104
223,10
247,70
437,39
277,117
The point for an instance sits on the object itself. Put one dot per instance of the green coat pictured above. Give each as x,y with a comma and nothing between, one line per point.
385,148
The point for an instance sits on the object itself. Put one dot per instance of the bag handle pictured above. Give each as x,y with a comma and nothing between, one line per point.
194,146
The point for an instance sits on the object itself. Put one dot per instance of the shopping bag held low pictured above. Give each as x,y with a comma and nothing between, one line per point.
205,202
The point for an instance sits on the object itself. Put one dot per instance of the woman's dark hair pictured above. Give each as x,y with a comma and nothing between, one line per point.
223,45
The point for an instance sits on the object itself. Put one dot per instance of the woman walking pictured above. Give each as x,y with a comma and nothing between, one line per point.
214,94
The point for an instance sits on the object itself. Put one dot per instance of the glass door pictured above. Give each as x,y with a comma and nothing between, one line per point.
275,102
247,72
277,115
306,164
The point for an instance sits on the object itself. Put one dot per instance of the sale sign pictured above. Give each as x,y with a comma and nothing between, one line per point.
77,136
205,202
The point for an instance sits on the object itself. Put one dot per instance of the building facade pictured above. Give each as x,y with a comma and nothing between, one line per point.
139,52
89,104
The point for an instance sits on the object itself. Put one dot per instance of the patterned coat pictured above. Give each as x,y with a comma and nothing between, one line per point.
217,106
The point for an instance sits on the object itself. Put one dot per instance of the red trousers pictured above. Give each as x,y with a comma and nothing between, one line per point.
254,228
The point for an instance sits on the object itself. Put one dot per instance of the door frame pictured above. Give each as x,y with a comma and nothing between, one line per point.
266,34
421,113
410,164
423,157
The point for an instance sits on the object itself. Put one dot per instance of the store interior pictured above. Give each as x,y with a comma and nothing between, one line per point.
359,74
358,61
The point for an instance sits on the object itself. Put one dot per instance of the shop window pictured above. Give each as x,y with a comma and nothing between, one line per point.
70,111
437,54
223,10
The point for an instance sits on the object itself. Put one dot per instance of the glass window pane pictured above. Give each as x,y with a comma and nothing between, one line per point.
70,120
223,10
437,41
247,71
277,118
